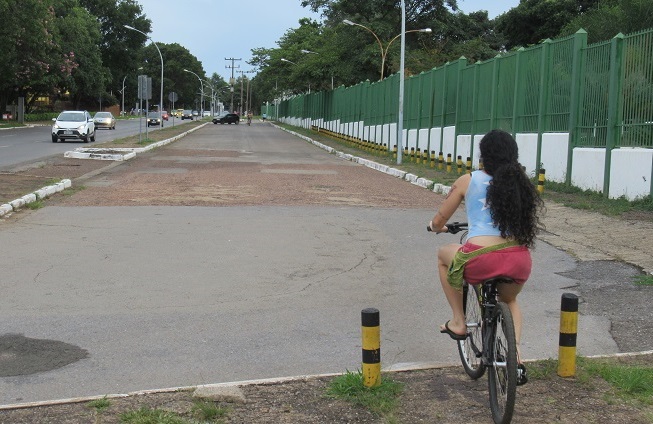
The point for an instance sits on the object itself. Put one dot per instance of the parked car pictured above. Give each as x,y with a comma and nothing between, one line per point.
227,118
104,120
187,114
73,124
206,113
153,118
164,115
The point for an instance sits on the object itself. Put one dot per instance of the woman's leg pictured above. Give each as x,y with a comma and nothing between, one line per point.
454,297
508,294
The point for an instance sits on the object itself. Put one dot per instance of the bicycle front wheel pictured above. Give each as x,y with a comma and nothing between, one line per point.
470,349
502,376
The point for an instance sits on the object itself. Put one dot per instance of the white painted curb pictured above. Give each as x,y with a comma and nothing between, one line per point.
413,179
122,153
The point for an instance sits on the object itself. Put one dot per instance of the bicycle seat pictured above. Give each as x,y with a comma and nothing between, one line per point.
499,280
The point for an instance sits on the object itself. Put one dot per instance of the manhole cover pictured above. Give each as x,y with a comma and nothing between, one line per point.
20,355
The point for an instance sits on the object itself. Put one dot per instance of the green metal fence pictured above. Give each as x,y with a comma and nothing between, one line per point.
601,94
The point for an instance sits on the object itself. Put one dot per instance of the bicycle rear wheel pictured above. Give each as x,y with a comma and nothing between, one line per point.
470,349
502,377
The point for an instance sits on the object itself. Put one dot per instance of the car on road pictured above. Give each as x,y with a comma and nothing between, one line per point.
73,124
104,120
164,115
153,118
196,113
178,113
227,118
187,114
206,113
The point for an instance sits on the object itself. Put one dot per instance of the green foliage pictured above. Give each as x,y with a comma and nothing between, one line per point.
644,280
208,411
381,400
629,380
40,117
152,416
99,404
611,17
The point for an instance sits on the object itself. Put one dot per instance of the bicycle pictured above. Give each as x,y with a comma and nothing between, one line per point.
490,343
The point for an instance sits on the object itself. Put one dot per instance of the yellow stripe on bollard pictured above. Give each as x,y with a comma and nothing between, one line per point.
371,347
448,162
568,329
540,181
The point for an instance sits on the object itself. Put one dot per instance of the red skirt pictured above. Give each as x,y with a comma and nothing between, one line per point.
512,262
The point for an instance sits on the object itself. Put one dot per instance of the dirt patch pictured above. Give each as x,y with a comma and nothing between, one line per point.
444,395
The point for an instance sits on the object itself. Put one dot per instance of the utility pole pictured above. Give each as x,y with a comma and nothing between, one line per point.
232,81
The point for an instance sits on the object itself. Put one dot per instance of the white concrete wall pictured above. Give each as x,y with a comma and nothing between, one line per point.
527,144
449,139
412,140
587,168
630,172
555,151
463,148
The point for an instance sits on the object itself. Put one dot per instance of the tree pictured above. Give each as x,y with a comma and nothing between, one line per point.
611,17
78,34
30,54
533,21
119,45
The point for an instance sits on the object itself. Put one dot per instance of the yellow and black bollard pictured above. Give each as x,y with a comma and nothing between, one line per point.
412,154
448,162
469,165
440,160
568,328
459,164
394,152
432,158
425,157
540,181
406,153
371,334
418,156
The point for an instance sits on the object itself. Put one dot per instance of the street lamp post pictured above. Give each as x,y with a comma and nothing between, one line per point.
402,76
122,110
161,56
384,51
201,89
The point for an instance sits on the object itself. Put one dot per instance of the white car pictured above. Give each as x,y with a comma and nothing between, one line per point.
73,124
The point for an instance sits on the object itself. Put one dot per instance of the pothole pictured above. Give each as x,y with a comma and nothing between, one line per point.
20,355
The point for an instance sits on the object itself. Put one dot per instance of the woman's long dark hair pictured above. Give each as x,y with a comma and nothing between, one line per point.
512,198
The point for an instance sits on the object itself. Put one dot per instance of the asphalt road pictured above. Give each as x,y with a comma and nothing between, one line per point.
19,145
167,296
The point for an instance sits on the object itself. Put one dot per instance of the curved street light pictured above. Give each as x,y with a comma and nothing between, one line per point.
384,51
201,89
161,56
286,60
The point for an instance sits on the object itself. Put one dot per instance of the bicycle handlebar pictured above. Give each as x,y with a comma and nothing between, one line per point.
453,227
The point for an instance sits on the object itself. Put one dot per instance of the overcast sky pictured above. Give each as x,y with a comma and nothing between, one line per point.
213,30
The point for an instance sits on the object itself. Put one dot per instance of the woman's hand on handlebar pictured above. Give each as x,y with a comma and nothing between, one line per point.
430,228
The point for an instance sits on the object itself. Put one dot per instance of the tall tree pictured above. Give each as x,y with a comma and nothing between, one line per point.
533,21
611,17
78,34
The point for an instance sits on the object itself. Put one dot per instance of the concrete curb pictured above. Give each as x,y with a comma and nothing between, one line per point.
401,367
121,154
411,178
40,194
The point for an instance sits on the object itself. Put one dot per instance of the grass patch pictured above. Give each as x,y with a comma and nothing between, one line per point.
381,400
632,382
37,204
208,411
644,280
152,416
99,404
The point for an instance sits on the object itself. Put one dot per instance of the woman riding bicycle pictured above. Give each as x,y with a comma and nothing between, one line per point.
502,207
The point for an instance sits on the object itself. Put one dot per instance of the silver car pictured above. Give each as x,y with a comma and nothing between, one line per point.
104,120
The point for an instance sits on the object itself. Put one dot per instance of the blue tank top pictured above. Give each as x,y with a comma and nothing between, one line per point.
478,212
